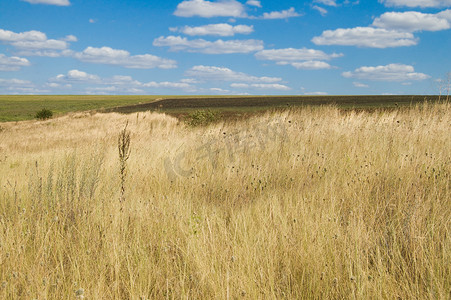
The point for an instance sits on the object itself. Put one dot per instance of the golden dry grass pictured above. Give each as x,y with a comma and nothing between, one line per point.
311,203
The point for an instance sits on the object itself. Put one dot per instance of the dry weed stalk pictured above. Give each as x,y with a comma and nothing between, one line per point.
123,144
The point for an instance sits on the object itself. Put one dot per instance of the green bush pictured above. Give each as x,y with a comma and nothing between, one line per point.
201,117
44,114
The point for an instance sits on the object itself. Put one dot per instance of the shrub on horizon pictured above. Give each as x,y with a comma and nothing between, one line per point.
44,114
201,117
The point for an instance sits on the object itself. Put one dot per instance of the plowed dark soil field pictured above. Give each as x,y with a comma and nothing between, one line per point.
238,106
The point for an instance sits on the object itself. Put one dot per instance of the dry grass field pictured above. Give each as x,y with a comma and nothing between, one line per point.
309,203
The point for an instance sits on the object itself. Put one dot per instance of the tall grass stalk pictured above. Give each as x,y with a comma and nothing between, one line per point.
123,144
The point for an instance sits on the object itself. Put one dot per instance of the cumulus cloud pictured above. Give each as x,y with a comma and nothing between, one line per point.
446,14
208,9
177,43
316,93
366,37
116,84
167,84
222,29
321,10
212,73
227,8
107,55
50,2
284,14
219,91
15,82
413,21
36,43
417,3
307,59
12,63
327,2
189,80
76,76
292,54
360,85
254,3
113,90
15,86
240,85
391,72
308,65
268,86
70,38
55,85
391,29
11,90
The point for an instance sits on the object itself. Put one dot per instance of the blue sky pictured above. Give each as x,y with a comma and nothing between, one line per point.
284,47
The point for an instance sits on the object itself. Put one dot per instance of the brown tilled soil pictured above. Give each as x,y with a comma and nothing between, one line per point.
180,107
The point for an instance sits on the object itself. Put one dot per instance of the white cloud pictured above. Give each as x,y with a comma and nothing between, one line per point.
113,90
48,53
292,54
11,37
122,80
50,2
222,29
177,43
225,74
15,82
316,93
39,45
417,3
240,85
327,2
284,14
117,83
269,86
366,37
219,91
254,3
321,10
55,85
446,14
20,87
227,8
36,43
308,65
70,38
25,91
307,59
189,80
170,85
360,85
12,63
207,9
107,55
391,72
412,21
76,76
